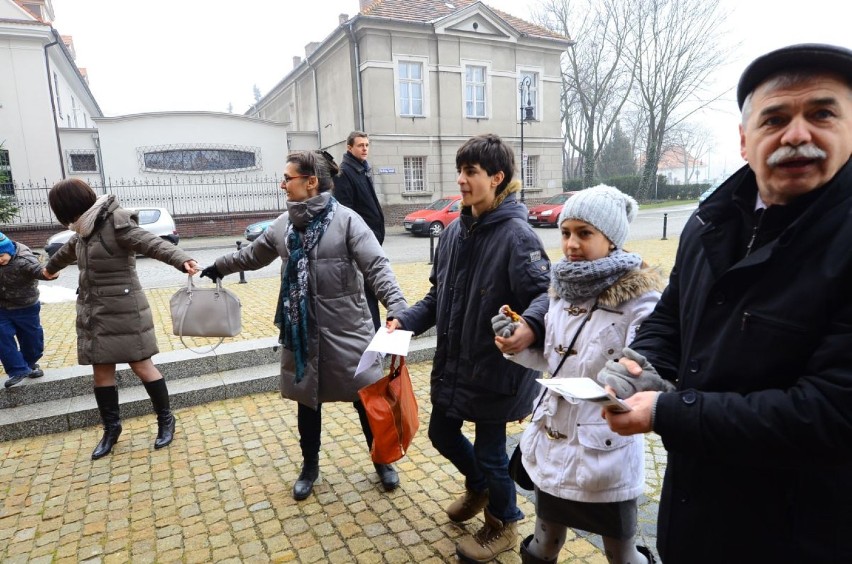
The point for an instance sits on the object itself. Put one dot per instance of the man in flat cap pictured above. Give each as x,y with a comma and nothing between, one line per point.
755,330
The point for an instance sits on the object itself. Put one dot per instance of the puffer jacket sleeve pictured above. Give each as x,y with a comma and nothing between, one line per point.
129,235
260,253
530,279
29,263
371,260
422,316
67,254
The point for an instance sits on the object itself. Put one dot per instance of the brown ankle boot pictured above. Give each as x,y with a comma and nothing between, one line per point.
493,538
468,506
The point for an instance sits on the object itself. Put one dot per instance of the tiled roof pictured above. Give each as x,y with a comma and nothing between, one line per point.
423,11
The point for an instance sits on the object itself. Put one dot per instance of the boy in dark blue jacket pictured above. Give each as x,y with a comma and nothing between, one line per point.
487,258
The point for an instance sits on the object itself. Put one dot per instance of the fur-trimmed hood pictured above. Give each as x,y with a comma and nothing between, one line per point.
632,285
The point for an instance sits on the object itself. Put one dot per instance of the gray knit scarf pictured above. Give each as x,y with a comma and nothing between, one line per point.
586,279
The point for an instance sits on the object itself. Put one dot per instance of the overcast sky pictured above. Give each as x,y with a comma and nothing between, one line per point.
161,55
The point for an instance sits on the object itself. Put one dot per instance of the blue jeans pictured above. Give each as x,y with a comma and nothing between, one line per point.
24,323
484,464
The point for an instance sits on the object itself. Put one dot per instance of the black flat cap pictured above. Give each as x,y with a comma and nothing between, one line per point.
808,56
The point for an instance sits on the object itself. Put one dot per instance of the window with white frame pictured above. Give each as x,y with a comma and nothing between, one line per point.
528,92
475,89
414,171
410,88
530,171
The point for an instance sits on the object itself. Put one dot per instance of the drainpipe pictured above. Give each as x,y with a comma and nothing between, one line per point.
316,100
358,93
53,106
96,138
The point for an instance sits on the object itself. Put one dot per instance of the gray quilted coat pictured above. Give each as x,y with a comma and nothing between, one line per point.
339,323
114,322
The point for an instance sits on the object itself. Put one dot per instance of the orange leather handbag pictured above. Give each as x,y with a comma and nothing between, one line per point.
392,412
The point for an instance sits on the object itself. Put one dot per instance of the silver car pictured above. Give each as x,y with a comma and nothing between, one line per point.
156,220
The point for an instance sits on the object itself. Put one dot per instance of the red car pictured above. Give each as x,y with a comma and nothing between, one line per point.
547,214
433,219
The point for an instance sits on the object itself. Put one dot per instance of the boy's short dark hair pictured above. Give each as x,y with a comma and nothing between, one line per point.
70,198
489,152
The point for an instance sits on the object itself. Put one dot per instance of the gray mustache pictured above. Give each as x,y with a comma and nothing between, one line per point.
783,154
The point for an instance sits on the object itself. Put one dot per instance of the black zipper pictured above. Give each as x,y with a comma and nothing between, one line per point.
105,246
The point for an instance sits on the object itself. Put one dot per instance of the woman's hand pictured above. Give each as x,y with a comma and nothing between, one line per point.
520,340
190,267
49,276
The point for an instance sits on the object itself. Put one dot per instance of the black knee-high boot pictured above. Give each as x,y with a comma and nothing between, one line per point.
165,418
107,399
309,422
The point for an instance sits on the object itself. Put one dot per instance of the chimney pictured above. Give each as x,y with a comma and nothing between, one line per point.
342,19
365,4
297,60
311,47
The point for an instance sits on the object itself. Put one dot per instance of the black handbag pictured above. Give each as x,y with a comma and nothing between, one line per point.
516,466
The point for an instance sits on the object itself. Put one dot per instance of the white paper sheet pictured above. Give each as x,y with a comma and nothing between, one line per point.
383,343
584,389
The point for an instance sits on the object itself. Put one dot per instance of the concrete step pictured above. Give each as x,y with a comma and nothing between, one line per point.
62,399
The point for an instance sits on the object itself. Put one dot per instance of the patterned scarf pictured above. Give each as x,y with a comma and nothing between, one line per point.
586,279
291,315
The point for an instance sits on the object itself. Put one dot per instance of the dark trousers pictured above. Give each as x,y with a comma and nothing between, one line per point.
25,324
310,425
484,464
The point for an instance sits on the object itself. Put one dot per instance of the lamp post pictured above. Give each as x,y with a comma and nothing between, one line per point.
526,115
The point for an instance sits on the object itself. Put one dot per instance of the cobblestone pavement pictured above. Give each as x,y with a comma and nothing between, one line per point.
222,491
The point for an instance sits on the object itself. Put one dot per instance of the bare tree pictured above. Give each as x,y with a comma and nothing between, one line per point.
596,79
688,142
675,47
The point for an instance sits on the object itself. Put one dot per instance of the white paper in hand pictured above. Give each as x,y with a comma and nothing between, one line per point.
585,389
383,343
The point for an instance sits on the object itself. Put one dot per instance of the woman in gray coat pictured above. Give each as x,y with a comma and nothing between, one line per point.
329,253
114,321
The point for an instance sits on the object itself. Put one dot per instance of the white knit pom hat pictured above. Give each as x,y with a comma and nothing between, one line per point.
608,209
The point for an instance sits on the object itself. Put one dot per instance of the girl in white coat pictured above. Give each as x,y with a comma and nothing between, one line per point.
586,476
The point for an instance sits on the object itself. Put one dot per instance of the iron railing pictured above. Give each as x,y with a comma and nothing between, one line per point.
181,196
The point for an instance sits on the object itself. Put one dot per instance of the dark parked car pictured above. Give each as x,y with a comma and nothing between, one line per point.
547,213
254,230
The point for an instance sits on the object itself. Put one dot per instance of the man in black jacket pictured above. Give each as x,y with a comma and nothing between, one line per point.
755,328
353,188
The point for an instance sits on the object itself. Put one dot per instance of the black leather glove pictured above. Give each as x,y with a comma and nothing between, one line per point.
625,384
212,273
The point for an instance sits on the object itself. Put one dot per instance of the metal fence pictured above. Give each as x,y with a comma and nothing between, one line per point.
181,196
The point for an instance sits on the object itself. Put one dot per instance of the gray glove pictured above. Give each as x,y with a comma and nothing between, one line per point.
503,325
615,375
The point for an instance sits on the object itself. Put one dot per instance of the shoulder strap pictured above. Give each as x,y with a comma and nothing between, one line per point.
567,351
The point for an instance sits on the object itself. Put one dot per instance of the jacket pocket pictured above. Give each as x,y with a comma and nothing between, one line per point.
605,462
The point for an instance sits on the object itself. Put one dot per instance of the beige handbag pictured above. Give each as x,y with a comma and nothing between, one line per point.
205,312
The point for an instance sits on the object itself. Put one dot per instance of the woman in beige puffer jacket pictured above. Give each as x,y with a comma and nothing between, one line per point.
114,321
